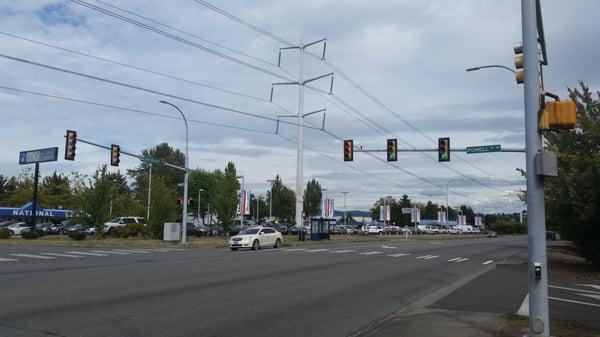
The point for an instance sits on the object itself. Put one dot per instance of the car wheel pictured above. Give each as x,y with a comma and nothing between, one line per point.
65,231
277,243
255,245
234,248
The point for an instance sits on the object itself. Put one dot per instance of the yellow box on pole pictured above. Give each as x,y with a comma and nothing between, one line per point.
558,115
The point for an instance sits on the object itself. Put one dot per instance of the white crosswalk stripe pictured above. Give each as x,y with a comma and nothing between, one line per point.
293,249
370,253
60,255
398,255
454,259
87,253
130,251
462,260
431,257
318,250
109,252
424,256
488,262
7,260
343,251
42,257
388,247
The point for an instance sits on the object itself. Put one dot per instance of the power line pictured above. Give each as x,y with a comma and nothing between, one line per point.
116,107
180,39
215,106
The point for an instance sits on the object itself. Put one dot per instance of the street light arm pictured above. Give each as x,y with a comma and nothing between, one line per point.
491,66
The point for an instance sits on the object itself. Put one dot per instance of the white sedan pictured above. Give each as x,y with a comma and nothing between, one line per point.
255,238
18,228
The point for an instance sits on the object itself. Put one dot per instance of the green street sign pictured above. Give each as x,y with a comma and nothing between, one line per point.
483,149
154,161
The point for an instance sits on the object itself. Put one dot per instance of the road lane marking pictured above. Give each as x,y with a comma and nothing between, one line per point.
108,252
454,259
369,253
462,260
420,257
398,255
87,253
60,255
596,297
293,249
431,257
572,301
343,251
156,249
488,262
588,285
573,289
318,250
177,249
7,260
388,247
34,256
130,251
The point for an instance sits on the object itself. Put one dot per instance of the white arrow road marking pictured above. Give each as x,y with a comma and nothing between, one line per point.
488,262
388,247
318,250
177,249
462,260
34,256
343,251
87,253
294,249
454,259
109,252
420,257
571,301
130,251
7,260
398,255
573,289
431,257
369,253
596,297
588,285
60,255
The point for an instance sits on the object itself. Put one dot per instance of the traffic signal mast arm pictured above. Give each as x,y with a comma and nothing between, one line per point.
463,149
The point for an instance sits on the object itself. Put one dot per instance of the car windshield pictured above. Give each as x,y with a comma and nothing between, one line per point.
249,231
115,220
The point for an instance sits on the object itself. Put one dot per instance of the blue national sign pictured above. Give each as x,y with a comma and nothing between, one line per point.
38,156
26,210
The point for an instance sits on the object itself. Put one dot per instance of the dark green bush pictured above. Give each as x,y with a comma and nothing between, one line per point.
508,227
132,229
30,235
78,236
4,233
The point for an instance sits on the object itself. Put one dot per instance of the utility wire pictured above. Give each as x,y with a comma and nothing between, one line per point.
180,39
116,107
190,100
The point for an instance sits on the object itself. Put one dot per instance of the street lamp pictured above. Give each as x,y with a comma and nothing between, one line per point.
271,200
185,177
200,191
345,193
240,202
491,66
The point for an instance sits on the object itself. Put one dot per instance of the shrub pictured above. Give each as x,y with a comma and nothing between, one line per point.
4,233
132,229
508,227
78,236
30,235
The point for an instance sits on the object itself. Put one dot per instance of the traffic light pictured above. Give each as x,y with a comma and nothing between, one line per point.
70,145
444,149
558,115
519,61
392,150
348,150
115,154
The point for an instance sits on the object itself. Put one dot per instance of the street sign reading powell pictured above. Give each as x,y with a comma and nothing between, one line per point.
483,149
38,156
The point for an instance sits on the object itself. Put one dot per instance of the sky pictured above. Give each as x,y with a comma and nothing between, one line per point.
408,56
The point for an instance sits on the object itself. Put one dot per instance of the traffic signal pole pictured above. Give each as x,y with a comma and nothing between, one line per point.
300,143
536,222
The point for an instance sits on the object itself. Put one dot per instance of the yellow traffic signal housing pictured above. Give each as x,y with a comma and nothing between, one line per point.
348,150
115,154
392,150
70,145
519,62
558,115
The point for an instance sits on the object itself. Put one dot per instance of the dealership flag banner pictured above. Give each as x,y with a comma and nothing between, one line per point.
462,220
415,215
327,208
384,213
244,205
442,217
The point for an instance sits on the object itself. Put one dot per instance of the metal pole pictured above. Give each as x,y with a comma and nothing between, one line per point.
185,176
300,143
538,287
149,192
35,194
344,193
199,195
242,204
271,201
447,202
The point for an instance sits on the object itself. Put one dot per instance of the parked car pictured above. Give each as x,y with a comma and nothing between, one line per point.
78,228
552,236
391,229
120,222
18,228
492,234
372,229
214,230
427,229
44,226
255,238
294,230
58,228
196,229
7,223
283,229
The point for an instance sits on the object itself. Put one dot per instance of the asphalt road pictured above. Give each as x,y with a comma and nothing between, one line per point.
319,290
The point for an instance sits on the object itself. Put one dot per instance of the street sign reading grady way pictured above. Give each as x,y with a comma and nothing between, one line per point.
38,156
483,149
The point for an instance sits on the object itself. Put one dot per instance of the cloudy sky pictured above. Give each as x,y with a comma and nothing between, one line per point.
410,56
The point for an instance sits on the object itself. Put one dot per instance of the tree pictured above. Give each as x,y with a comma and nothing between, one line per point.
312,198
226,197
573,198
55,191
429,210
4,191
20,189
468,211
171,177
284,200
162,207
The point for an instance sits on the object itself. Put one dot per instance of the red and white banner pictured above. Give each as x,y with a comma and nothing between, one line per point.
478,221
244,204
384,213
415,215
462,220
442,217
327,209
